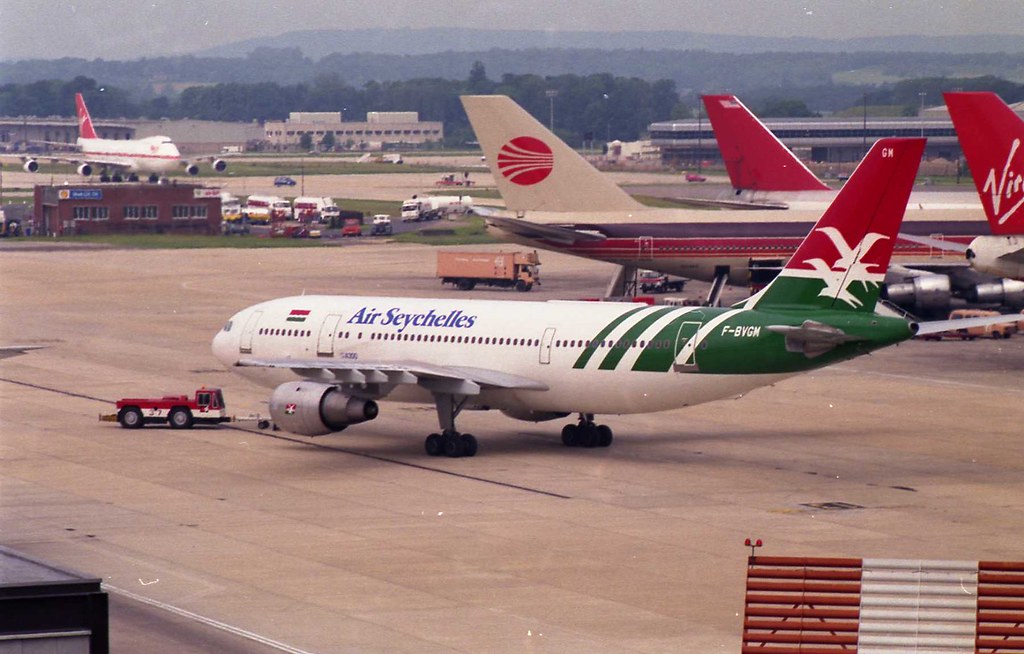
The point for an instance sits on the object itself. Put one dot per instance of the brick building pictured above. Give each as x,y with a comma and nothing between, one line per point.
128,208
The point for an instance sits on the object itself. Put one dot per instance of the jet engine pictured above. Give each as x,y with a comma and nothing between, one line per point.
924,293
313,409
85,170
219,165
192,169
30,166
1008,292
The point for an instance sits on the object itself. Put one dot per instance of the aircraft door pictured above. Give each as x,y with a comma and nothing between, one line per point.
545,345
325,341
646,247
686,346
245,342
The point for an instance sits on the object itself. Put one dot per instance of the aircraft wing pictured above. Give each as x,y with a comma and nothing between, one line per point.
556,233
936,326
937,243
14,350
457,379
812,338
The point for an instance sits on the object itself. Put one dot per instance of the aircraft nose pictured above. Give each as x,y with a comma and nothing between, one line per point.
224,344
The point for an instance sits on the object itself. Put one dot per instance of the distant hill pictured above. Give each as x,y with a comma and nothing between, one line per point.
316,44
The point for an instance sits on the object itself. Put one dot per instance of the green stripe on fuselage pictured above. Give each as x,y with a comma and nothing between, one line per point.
619,349
660,352
595,342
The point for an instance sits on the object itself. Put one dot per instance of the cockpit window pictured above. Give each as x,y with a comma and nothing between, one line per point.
227,327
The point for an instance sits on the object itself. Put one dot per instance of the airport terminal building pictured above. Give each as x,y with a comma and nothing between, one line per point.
825,140
382,130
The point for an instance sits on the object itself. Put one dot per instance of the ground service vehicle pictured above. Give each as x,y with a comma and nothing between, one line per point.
651,281
506,269
284,181
695,177
381,225
312,208
435,207
204,407
451,179
352,227
1005,330
263,209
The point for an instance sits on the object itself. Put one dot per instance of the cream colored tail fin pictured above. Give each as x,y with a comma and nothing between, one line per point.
534,169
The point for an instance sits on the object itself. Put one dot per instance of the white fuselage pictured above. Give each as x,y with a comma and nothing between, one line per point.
156,154
539,341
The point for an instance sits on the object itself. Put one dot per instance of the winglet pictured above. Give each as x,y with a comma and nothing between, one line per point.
991,135
85,128
842,262
755,159
534,169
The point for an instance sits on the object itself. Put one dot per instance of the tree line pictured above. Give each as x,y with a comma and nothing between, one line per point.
586,108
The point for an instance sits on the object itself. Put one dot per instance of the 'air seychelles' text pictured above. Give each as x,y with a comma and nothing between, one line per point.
395,317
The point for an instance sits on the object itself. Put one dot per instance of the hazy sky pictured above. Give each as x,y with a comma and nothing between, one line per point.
127,29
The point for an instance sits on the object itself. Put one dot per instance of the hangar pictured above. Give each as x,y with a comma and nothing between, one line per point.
126,208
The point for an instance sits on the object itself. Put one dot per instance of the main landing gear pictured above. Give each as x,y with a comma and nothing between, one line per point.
586,433
450,442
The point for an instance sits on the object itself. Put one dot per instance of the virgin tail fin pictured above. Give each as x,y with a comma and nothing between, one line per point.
991,136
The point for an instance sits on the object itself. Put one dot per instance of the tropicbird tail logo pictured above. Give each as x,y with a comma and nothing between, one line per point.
525,160
848,268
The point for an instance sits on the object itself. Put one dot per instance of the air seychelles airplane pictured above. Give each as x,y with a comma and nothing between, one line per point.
331,359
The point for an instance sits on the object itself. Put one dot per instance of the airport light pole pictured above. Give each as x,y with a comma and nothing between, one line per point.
552,94
920,114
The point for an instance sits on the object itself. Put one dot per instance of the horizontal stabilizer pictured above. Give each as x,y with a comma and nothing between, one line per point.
937,243
554,233
812,338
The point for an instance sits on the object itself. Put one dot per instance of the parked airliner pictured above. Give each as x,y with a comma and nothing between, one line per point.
560,202
116,160
331,359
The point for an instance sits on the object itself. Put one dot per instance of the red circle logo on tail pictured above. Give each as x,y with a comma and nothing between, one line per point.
525,160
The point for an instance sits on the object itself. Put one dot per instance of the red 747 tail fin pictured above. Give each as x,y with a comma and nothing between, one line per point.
85,129
754,158
991,136
842,262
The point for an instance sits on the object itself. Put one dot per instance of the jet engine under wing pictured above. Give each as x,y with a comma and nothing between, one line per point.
555,233
462,380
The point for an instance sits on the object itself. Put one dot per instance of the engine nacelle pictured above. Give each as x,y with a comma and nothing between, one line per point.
313,409
533,416
30,166
85,170
927,292
192,169
1008,292
219,165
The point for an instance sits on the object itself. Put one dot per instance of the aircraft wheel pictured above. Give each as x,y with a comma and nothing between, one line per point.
604,436
452,445
588,435
570,435
469,444
433,445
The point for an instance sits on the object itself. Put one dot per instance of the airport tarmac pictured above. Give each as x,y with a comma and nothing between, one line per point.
233,539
